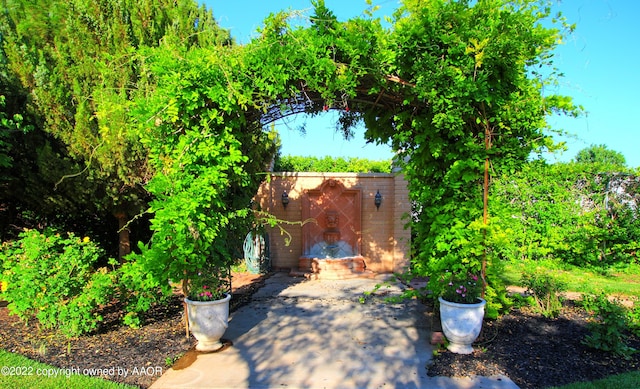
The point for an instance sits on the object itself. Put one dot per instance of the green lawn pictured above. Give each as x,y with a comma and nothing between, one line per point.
622,381
622,282
20,372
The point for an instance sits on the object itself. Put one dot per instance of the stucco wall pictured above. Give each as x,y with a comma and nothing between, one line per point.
385,241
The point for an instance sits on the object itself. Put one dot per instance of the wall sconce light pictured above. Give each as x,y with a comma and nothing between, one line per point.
378,200
285,199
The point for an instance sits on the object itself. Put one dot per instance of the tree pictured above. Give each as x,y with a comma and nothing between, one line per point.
8,124
11,119
600,154
77,61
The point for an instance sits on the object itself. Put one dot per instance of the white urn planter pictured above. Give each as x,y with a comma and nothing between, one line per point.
208,321
461,324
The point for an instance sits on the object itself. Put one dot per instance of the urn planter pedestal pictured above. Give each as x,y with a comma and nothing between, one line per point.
461,324
208,321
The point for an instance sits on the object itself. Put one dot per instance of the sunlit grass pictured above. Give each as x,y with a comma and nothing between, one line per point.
621,381
616,282
22,372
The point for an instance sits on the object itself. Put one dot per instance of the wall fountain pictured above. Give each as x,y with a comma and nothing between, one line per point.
331,241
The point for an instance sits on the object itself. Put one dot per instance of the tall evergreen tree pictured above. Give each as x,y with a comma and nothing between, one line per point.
77,61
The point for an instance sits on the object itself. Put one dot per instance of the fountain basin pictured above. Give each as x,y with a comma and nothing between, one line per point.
332,268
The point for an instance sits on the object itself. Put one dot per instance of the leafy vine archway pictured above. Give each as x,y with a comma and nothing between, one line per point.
452,85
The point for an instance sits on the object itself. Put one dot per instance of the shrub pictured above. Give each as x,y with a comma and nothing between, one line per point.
461,251
633,318
53,277
582,214
290,163
545,290
608,325
138,290
520,301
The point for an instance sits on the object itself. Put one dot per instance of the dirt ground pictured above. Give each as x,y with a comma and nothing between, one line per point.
535,352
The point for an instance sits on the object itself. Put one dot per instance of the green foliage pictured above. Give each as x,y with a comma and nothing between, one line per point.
452,85
602,155
496,295
462,252
194,217
55,279
208,167
459,252
139,290
545,290
86,63
289,163
77,62
32,198
78,55
633,317
31,182
608,326
520,301
569,212
8,123
58,280
475,96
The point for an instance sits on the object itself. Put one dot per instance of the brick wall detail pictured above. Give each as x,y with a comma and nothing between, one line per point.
384,240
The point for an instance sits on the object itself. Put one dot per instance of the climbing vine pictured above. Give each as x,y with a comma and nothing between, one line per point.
478,106
451,84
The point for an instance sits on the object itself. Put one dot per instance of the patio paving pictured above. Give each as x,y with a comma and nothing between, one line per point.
299,333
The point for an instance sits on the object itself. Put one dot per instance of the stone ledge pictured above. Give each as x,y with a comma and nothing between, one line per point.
333,275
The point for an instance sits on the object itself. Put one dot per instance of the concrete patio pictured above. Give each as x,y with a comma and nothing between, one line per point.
299,333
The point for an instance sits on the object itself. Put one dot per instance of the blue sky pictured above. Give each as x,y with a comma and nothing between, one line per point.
600,62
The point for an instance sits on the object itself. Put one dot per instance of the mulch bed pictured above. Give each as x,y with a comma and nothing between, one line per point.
536,352
533,351
145,352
